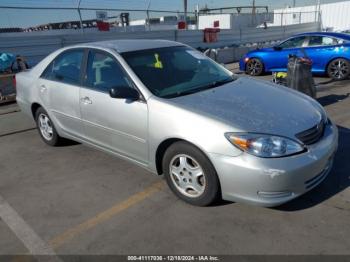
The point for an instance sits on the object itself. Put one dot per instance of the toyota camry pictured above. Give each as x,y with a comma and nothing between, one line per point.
168,108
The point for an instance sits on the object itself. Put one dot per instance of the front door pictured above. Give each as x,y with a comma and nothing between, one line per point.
292,46
118,125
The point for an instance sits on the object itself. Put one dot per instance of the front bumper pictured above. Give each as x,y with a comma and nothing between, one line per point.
242,65
273,181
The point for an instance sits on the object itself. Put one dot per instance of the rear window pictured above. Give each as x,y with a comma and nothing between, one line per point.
65,68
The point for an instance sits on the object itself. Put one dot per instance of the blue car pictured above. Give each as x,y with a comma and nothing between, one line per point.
329,52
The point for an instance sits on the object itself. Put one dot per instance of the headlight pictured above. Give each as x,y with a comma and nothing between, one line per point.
261,145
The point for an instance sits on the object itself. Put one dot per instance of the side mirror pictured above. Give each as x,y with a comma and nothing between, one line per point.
277,48
124,92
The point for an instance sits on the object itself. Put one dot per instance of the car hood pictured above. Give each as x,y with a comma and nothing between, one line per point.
255,106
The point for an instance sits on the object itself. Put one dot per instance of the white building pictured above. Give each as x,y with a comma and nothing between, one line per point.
334,16
233,21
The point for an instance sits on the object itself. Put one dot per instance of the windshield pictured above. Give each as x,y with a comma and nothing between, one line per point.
175,71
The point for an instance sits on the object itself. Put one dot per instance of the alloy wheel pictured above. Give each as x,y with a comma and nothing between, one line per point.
339,69
254,67
187,176
45,127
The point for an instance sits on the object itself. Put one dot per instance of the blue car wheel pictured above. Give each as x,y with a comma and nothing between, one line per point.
254,67
338,69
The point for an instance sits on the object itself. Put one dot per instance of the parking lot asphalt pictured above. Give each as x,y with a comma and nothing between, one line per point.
76,200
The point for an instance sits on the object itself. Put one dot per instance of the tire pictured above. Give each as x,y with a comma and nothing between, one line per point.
338,69
254,67
46,128
190,174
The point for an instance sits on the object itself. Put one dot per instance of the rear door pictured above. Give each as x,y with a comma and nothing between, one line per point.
59,87
321,49
118,125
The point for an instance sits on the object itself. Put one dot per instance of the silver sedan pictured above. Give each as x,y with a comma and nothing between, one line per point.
170,109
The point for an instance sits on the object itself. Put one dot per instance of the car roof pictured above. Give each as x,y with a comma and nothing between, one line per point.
128,45
333,34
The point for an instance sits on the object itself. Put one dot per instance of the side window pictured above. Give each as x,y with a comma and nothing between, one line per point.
322,41
103,72
329,41
315,41
294,42
65,68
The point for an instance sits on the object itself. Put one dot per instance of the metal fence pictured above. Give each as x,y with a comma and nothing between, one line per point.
84,19
35,47
31,19
294,18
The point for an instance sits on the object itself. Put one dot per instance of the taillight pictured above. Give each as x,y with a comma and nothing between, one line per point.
14,81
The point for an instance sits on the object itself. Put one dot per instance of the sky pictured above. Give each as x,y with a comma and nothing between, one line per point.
26,18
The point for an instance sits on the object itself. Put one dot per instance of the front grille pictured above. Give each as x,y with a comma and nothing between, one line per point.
312,135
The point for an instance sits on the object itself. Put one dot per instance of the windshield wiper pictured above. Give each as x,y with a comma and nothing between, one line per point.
202,88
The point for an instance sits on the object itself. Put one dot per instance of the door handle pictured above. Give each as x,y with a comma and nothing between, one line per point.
86,100
43,88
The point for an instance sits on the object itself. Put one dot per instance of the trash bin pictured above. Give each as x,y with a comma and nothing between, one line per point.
181,25
299,76
211,35
102,26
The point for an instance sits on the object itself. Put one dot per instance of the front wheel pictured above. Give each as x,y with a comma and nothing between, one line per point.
254,67
190,174
338,69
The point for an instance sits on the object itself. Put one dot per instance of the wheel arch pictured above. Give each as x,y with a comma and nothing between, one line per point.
164,145
34,107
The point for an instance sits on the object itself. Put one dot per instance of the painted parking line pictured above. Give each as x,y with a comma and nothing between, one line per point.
34,244
59,240
9,112
18,132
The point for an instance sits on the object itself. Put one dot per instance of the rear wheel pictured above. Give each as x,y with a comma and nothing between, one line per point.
190,174
339,69
254,67
46,128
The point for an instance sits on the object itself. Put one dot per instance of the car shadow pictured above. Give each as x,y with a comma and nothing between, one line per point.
332,99
337,181
334,83
67,143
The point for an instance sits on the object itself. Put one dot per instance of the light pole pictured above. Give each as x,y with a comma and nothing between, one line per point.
318,10
147,13
81,20
185,12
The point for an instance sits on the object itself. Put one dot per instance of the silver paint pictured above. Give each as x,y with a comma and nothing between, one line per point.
202,119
